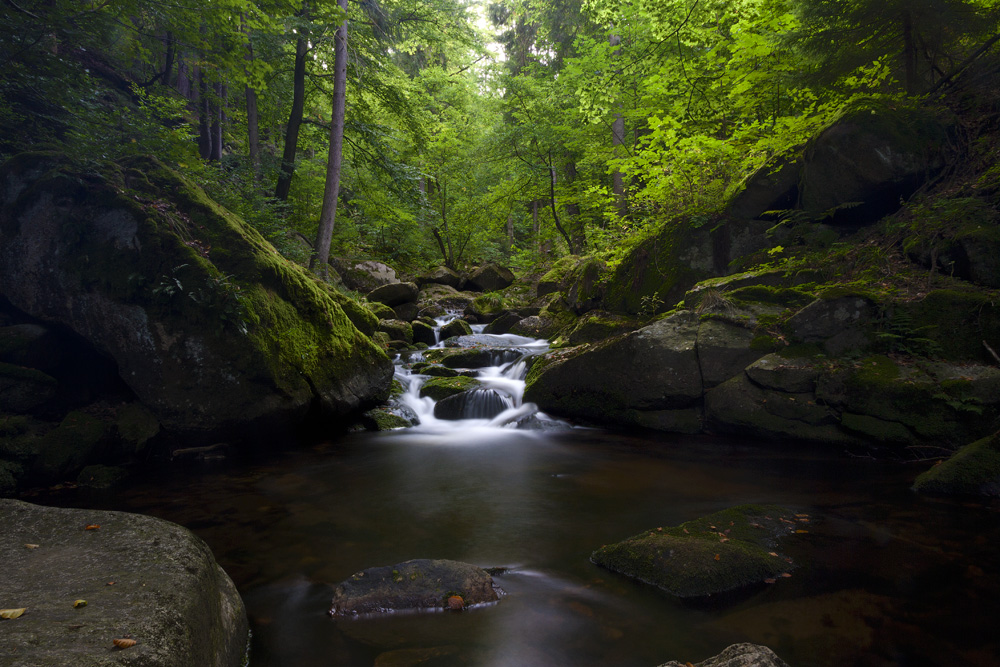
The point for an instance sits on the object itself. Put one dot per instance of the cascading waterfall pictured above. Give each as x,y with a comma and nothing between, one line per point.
498,402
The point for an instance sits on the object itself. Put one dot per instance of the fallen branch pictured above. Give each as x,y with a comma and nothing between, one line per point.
991,351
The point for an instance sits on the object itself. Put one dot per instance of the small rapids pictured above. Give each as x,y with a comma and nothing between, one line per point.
496,403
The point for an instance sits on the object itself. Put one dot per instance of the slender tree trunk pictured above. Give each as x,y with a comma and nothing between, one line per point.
183,79
219,91
168,65
510,233
618,140
552,200
295,118
253,131
575,222
204,115
328,217
535,227
909,55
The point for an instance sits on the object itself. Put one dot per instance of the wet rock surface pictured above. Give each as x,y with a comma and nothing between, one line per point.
141,578
412,585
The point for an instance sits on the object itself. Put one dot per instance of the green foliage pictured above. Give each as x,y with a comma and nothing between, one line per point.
901,335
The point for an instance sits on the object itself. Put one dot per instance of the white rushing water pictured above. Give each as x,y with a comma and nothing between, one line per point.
497,403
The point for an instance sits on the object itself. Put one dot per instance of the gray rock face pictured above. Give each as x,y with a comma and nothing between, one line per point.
794,376
836,323
738,655
723,351
415,584
394,294
490,278
168,592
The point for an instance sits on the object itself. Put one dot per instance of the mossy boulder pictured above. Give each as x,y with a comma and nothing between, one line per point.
366,276
724,350
839,323
397,330
489,278
482,403
973,470
441,275
957,321
381,311
580,280
415,584
457,327
597,325
208,325
649,370
394,294
31,345
168,594
64,450
423,332
721,552
439,388
102,476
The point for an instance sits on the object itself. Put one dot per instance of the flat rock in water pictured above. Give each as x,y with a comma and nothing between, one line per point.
714,554
415,584
738,655
86,578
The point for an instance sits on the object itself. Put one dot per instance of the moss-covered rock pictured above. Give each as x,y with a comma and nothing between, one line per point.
973,470
442,387
136,426
597,325
724,350
737,655
102,476
957,321
394,294
457,327
423,333
489,278
63,451
397,330
207,324
721,552
381,311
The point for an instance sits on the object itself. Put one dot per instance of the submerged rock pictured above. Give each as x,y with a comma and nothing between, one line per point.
473,404
141,577
415,584
724,551
738,655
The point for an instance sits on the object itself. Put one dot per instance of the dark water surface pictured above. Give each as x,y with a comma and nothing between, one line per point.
886,577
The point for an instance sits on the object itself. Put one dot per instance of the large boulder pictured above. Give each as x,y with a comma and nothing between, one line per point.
737,655
442,275
490,278
86,578
366,276
415,584
209,327
724,551
395,294
649,377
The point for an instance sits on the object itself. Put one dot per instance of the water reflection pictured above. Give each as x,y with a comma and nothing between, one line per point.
888,578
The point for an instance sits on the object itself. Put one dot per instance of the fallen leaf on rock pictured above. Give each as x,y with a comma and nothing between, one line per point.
456,602
110,583
785,575
769,581
802,516
92,526
30,546
79,603
717,557
772,553
11,614
124,642
801,531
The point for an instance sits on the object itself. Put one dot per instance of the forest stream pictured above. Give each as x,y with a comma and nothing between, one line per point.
884,577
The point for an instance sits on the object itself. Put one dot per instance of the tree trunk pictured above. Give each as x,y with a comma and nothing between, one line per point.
184,86
204,115
577,234
535,227
294,119
219,92
253,119
618,140
331,191
552,200
168,65
909,55
510,234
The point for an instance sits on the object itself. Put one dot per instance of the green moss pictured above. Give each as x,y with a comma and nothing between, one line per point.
721,552
958,322
64,450
12,425
439,387
780,296
972,470
765,343
137,425
801,351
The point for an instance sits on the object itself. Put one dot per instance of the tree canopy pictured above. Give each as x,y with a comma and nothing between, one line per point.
514,131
